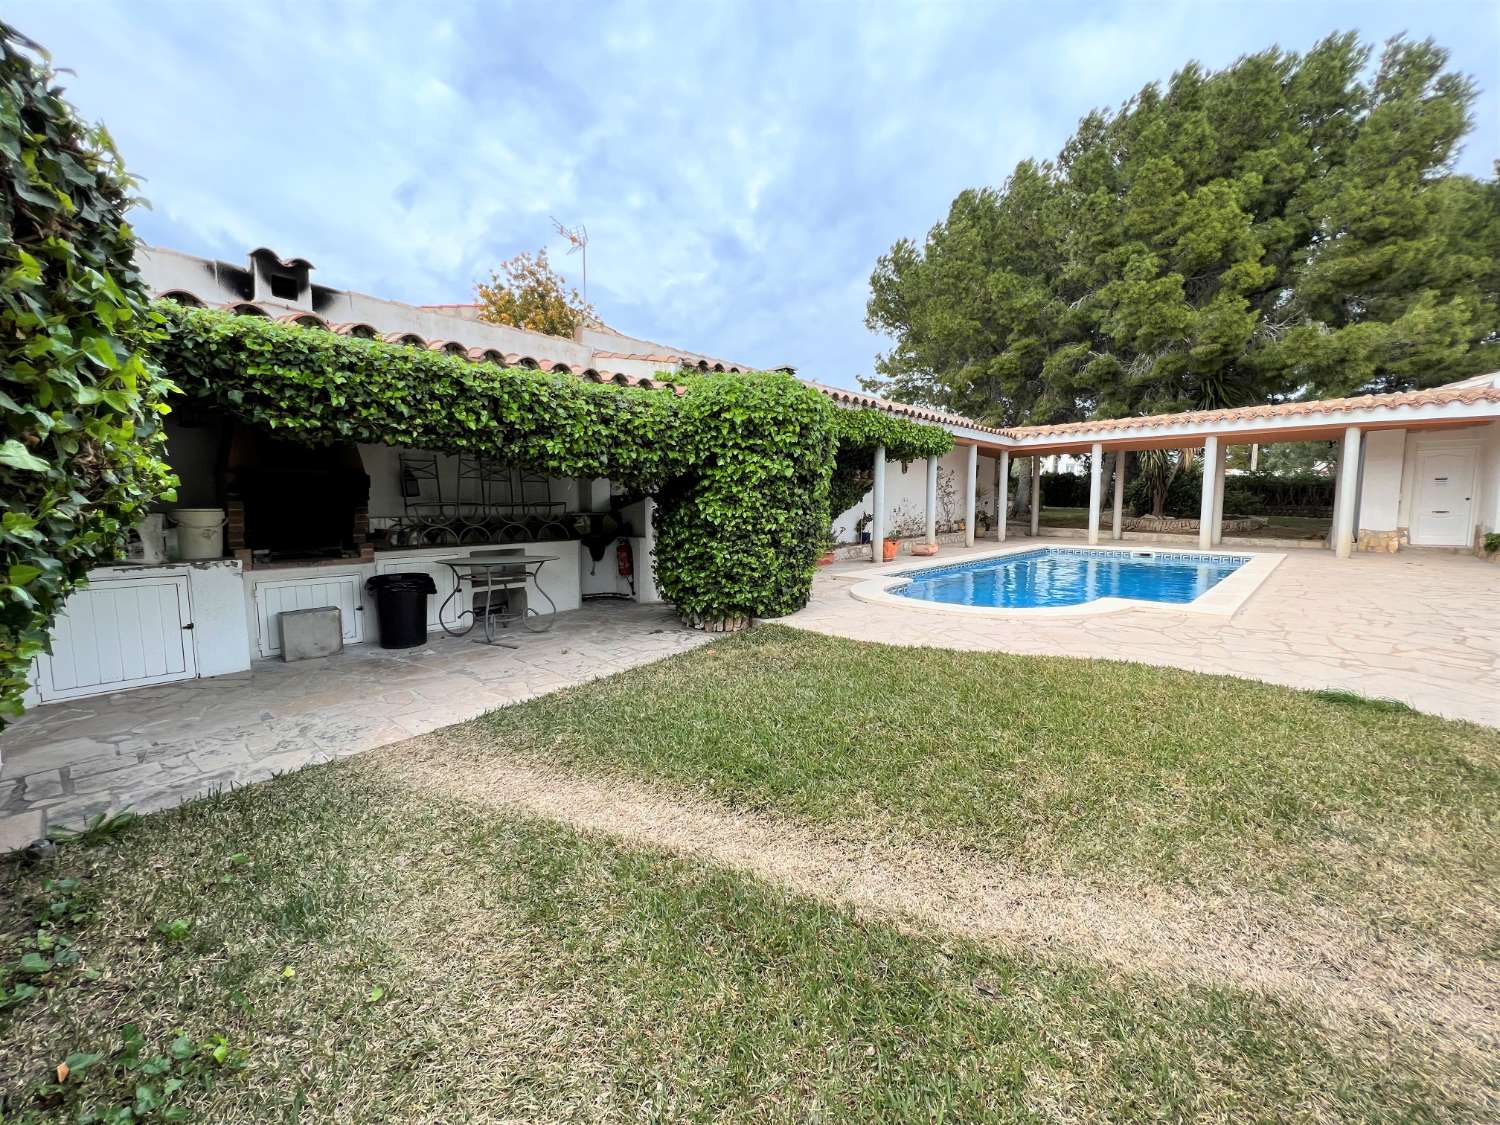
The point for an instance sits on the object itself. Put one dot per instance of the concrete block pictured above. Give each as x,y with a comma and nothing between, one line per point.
307,634
19,830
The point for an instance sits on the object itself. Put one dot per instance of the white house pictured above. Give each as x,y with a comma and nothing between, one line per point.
1420,469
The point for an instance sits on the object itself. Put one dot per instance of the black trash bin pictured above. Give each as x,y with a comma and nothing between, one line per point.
401,607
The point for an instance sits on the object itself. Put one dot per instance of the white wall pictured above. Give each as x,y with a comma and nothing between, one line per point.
1380,492
906,494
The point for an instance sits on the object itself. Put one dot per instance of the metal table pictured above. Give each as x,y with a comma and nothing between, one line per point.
489,573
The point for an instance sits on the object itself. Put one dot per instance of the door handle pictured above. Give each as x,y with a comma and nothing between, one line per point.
188,626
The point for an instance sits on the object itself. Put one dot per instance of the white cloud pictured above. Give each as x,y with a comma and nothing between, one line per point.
739,167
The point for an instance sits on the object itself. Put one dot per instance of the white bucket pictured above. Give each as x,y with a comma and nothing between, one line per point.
200,532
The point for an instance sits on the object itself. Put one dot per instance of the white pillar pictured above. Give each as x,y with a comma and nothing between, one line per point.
1096,489
1220,463
1206,505
1036,495
877,507
932,475
971,482
1117,529
1348,486
1002,494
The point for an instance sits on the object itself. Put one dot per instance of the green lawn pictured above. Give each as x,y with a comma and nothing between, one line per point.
1277,527
1058,765
342,944
374,954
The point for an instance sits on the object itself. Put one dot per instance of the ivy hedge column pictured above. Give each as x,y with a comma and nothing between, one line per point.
877,508
971,483
1002,494
1096,490
932,477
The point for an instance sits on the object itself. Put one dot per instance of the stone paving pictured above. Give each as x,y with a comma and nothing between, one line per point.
1421,627
155,747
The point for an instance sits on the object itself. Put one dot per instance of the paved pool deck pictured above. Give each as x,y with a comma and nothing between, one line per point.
158,746
1422,627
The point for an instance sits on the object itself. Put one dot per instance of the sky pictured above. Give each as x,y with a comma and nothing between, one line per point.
739,167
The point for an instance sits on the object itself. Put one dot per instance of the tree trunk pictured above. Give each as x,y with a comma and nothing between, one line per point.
1020,491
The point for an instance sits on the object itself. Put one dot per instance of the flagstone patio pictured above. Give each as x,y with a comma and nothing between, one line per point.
1421,626
155,747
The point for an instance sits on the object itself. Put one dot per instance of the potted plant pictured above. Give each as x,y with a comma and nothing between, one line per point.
828,545
862,528
890,548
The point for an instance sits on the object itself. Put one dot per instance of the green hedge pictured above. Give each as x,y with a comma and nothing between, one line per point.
859,433
80,434
739,530
1248,494
740,463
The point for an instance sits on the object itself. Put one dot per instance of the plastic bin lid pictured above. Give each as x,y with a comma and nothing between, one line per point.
404,581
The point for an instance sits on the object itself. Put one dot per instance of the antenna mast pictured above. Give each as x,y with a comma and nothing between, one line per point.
578,242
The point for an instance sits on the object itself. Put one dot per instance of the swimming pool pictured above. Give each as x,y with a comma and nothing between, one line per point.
1063,576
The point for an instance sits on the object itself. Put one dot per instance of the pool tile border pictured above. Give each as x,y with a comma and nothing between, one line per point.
1224,600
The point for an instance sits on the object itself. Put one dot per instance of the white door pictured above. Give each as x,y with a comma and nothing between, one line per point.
116,635
1443,513
274,598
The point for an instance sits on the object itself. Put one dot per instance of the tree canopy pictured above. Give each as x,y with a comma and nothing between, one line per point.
525,292
1288,226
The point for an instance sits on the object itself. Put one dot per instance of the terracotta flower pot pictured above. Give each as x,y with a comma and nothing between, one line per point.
891,548
825,558
925,549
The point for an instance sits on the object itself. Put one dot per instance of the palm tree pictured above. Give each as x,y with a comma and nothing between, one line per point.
1157,468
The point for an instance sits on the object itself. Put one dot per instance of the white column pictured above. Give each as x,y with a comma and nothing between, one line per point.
932,474
1348,500
877,507
971,482
1002,494
1117,529
1206,505
1036,494
1220,463
1096,490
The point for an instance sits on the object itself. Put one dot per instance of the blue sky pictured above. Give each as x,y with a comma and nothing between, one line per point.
739,167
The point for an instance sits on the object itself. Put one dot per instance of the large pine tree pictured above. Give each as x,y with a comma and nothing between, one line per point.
1288,226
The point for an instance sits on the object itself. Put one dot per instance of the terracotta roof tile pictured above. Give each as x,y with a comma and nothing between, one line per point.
1435,396
920,413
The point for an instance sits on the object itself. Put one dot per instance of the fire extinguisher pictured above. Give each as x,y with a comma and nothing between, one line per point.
625,562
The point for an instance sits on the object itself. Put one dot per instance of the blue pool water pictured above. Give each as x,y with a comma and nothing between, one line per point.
1054,576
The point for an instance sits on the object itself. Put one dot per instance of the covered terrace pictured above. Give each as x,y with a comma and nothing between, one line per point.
1386,443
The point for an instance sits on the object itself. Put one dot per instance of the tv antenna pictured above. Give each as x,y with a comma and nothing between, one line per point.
578,242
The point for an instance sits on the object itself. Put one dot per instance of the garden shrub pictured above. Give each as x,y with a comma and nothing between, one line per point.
739,530
80,427
1248,494
1065,490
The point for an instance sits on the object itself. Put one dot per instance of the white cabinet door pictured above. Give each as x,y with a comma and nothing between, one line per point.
1444,504
116,635
274,598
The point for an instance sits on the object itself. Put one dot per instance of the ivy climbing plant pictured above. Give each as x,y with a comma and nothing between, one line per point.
80,428
859,433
